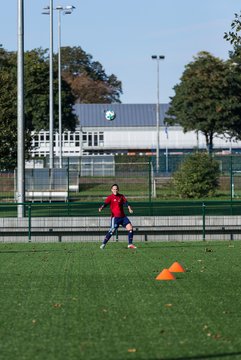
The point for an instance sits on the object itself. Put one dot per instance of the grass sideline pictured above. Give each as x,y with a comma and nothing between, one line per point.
74,301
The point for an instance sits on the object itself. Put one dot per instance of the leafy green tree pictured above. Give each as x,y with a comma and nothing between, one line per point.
36,102
208,98
83,80
8,112
87,78
233,36
37,94
197,177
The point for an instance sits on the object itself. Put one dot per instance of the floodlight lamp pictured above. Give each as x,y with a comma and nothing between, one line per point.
59,7
70,7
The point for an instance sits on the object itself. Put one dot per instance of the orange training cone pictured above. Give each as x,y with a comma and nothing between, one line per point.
176,267
165,275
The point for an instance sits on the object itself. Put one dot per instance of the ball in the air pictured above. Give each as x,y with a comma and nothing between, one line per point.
110,115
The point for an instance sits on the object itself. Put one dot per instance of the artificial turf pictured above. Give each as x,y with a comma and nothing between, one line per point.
75,301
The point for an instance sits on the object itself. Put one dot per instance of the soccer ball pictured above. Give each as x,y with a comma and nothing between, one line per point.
110,115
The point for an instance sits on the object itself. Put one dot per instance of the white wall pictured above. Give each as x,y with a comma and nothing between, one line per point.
128,139
147,137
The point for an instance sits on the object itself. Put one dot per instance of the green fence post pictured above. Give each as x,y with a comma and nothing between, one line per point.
231,184
150,185
204,227
29,223
149,173
149,177
68,186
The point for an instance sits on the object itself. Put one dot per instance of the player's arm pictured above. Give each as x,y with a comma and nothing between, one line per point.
102,207
128,205
107,201
130,209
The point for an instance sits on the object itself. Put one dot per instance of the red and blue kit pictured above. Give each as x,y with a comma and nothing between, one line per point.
116,203
118,217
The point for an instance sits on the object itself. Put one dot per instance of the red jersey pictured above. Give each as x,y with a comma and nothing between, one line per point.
116,203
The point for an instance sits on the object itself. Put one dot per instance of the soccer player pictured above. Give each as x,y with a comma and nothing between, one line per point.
118,217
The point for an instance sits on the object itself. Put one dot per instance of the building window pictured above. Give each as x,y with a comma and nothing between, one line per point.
65,136
77,138
101,138
84,137
36,142
89,139
95,139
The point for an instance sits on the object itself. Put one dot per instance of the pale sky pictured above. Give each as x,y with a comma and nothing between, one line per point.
122,36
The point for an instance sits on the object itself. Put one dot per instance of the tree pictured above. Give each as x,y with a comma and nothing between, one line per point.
36,102
8,112
37,94
197,176
208,99
87,78
233,36
83,80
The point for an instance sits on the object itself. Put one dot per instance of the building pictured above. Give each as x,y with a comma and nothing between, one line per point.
133,131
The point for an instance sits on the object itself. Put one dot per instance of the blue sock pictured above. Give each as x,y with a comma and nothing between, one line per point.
130,236
107,237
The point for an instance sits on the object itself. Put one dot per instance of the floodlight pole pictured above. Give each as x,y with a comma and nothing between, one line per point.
51,91
60,89
157,58
20,118
65,10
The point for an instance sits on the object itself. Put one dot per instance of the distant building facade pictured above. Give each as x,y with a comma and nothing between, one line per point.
134,131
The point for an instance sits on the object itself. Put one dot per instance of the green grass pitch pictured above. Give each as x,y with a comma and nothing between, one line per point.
67,301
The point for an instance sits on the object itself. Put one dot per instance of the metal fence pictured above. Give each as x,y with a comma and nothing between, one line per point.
188,219
90,178
141,208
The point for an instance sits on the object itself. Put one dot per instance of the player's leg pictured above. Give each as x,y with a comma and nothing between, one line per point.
129,228
112,230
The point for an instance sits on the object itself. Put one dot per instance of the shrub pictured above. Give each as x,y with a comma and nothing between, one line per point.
198,176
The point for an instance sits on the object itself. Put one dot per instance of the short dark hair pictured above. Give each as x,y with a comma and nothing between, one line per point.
115,185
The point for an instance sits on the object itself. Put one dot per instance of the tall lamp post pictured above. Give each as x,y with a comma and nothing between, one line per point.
66,11
157,58
20,157
49,11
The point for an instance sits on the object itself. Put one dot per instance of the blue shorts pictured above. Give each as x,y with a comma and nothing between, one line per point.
117,221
